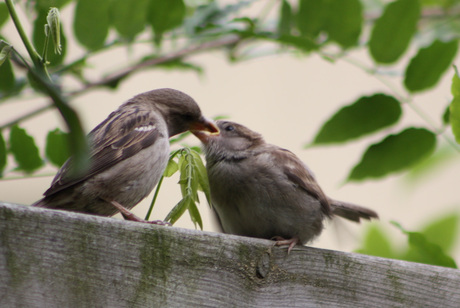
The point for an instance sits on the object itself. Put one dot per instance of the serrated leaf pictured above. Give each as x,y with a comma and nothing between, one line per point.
129,17
4,15
57,147
165,16
376,243
426,251
285,19
24,150
202,175
178,210
344,22
195,214
367,115
454,117
171,168
394,30
443,231
427,67
2,154
38,38
394,153
91,22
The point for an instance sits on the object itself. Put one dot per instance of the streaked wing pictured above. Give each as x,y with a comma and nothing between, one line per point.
300,175
123,134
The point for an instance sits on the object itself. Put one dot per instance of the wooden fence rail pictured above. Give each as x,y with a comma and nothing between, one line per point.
60,259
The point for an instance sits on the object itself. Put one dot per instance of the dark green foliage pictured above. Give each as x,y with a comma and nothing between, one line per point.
430,63
57,147
367,115
164,16
2,154
91,23
432,245
394,153
129,17
394,30
24,150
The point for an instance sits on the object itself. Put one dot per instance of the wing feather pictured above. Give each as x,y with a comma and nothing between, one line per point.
123,134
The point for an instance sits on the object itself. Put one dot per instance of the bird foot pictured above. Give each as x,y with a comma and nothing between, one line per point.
131,216
280,241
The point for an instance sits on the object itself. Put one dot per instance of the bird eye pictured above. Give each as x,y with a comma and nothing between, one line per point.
229,128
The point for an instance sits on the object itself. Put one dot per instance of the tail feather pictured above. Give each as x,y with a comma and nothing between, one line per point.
351,211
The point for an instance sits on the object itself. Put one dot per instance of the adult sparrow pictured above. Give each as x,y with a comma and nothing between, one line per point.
262,190
128,154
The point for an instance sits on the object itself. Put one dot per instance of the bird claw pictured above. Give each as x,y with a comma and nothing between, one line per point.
280,241
131,216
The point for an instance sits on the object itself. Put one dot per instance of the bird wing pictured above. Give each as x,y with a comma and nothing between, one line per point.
123,134
299,174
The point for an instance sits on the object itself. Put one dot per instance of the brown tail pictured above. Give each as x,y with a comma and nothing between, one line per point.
351,211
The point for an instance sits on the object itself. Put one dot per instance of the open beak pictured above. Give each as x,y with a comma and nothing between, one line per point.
205,125
204,130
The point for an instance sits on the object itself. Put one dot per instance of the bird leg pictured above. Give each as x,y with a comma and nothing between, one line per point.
128,215
280,241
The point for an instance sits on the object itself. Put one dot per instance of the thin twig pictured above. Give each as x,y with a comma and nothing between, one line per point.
230,40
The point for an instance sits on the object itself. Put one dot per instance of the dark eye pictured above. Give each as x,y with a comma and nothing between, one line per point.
229,128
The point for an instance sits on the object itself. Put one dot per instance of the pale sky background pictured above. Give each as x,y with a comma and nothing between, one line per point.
286,98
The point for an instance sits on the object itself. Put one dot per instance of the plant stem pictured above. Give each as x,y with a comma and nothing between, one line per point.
155,196
36,59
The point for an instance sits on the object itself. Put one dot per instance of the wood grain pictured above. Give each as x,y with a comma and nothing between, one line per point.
60,259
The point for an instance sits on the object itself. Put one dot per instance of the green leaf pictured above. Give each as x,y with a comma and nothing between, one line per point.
195,215
367,115
39,36
7,80
425,251
446,116
178,210
165,16
311,17
376,243
129,17
394,30
285,19
57,147
24,150
91,22
344,22
455,107
171,168
180,65
2,154
202,175
427,67
394,153
443,231
302,43
4,15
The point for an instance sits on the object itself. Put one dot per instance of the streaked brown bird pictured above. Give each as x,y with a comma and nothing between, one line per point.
128,154
262,190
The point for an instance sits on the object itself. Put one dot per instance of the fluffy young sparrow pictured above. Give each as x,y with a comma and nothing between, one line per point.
128,154
262,190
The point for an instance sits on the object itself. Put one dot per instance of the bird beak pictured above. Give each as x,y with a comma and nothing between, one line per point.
204,125
204,137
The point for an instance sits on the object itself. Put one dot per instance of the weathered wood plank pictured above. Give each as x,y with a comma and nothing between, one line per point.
59,259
